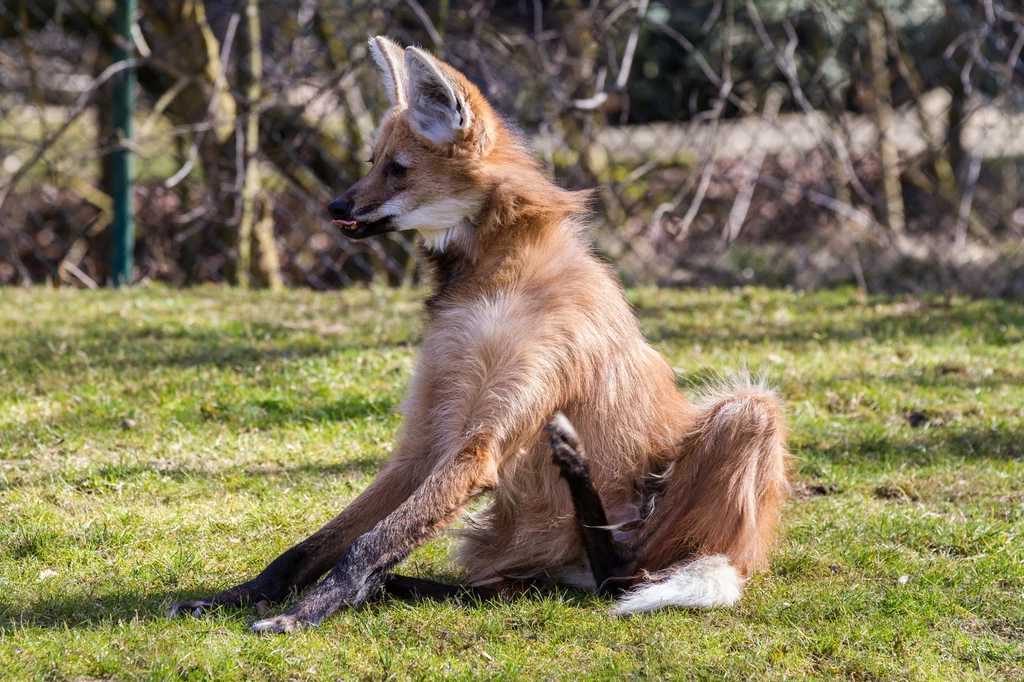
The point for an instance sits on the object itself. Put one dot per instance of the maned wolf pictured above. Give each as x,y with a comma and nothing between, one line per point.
524,322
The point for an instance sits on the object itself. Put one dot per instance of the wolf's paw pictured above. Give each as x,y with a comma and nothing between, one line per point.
191,607
279,625
565,445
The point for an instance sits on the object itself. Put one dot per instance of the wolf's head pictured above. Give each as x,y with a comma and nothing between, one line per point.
428,153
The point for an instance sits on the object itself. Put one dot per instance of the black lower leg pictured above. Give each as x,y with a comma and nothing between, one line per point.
404,587
295,569
591,520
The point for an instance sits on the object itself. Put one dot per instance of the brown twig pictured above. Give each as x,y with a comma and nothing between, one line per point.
80,107
424,18
709,166
787,67
193,151
745,192
628,53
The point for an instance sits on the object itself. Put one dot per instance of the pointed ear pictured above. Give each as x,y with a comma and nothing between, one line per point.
438,106
390,59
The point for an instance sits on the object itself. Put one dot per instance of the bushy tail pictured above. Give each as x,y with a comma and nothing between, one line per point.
702,583
713,522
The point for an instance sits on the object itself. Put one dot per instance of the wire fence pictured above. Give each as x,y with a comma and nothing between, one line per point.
787,142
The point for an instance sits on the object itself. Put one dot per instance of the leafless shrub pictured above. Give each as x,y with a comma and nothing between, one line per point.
731,141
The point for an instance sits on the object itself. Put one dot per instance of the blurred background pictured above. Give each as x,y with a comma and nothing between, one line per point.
784,142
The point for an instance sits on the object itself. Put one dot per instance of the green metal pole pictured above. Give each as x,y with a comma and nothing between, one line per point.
123,163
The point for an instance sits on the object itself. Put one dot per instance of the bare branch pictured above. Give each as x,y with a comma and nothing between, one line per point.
625,66
709,166
965,205
630,51
193,151
788,69
702,63
424,18
80,106
745,193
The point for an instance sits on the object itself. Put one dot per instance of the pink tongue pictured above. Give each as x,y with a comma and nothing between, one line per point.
347,223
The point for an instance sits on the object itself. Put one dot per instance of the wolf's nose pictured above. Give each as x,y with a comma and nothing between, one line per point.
340,209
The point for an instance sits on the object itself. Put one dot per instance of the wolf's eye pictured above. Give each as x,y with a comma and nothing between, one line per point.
395,169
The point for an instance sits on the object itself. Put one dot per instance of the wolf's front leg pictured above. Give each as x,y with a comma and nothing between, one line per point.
304,563
365,565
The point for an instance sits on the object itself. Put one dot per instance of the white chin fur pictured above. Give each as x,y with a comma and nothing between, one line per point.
440,223
701,584
437,240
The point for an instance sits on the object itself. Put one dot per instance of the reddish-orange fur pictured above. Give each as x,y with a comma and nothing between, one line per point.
723,493
526,321
531,311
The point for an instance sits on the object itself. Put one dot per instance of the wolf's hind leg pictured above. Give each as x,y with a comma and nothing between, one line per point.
567,453
405,587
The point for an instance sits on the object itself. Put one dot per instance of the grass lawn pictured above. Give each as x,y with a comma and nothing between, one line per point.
161,444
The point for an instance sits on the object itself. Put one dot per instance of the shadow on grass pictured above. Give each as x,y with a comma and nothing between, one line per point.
155,346
918,447
272,412
85,611
258,413
989,322
106,478
139,349
945,376
62,612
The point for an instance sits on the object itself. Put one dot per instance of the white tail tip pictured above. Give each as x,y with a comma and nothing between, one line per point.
701,584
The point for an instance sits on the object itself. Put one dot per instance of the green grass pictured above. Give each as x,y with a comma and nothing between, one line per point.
160,444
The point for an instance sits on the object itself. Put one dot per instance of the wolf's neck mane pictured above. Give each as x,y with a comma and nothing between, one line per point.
522,207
